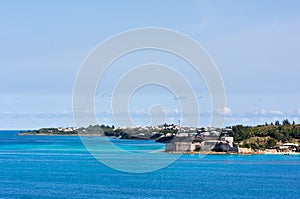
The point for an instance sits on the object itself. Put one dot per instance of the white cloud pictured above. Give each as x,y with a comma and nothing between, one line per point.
268,112
174,111
275,112
141,112
224,111
298,111
245,119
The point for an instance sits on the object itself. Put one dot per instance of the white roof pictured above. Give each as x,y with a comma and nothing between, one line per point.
289,144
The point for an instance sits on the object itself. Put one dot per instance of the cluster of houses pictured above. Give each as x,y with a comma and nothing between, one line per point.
67,129
288,147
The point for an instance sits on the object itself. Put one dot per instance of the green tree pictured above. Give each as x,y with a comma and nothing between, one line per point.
271,143
239,133
286,122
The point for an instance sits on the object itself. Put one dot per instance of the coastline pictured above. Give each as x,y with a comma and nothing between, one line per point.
226,153
44,134
173,152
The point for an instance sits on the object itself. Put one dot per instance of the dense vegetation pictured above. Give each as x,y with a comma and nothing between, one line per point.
54,131
267,135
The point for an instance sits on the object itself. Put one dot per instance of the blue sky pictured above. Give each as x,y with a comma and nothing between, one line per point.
255,45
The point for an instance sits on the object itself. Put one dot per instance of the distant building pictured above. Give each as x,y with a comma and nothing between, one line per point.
286,147
190,144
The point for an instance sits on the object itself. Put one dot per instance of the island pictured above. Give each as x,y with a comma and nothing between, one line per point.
278,137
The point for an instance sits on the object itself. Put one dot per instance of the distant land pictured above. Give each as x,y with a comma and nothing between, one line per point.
275,137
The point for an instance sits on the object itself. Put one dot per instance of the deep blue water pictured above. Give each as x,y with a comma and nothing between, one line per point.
60,167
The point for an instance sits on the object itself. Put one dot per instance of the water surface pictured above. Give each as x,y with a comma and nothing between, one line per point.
60,167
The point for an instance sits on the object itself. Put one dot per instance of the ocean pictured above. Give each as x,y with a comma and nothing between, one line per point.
61,167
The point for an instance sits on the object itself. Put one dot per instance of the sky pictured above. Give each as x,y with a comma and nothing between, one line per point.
254,44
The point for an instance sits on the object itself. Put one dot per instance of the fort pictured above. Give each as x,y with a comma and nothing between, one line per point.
206,144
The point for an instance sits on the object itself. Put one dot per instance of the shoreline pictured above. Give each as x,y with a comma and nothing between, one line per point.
172,152
49,134
44,134
225,153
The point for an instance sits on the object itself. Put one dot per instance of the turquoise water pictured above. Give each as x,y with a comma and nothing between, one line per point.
60,167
